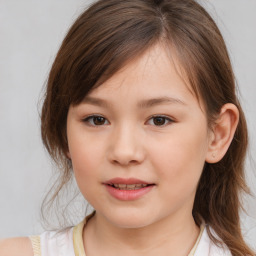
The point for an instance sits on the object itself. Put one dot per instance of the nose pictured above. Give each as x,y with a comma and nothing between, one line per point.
126,147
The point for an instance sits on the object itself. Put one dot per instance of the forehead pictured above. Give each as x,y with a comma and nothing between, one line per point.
155,73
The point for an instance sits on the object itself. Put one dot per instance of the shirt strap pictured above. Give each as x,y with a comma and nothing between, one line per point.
36,245
192,252
78,237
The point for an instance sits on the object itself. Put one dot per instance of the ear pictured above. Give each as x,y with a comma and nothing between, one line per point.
68,155
222,133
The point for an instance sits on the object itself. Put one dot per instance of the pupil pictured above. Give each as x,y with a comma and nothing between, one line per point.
159,120
98,120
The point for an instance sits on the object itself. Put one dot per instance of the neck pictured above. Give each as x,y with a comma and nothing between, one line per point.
173,235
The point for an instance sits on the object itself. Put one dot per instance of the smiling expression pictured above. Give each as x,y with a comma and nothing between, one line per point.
138,143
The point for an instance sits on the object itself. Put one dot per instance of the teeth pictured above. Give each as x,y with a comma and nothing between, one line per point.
122,186
129,186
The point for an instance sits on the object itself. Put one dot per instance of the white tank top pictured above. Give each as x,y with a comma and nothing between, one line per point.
69,242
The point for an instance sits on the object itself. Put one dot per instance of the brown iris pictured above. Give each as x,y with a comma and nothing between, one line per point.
159,120
98,120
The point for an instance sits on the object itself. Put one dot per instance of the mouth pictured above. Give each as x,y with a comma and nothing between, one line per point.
128,189
129,186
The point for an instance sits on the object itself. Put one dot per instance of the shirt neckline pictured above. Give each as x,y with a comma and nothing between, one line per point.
79,245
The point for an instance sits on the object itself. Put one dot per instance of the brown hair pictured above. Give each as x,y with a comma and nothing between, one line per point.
112,32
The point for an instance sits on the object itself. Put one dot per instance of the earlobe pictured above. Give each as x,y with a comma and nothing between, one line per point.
222,133
68,155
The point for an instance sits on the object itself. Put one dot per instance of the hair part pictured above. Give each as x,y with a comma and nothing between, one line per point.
95,49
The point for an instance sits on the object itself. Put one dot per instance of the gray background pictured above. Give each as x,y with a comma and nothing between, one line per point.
30,34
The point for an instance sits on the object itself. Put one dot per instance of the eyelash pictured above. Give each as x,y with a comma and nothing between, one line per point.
90,119
87,119
168,120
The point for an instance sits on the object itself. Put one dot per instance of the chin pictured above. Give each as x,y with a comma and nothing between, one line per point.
131,220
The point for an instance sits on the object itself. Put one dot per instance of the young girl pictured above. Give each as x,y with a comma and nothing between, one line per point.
141,107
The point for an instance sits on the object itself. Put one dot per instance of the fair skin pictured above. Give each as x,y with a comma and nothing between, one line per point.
128,144
150,127
16,246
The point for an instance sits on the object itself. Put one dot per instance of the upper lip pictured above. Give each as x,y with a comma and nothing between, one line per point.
125,181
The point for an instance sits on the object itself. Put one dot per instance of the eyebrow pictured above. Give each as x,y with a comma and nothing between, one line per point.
142,104
96,102
159,101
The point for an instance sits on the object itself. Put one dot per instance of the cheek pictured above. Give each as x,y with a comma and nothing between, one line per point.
86,173
180,159
85,157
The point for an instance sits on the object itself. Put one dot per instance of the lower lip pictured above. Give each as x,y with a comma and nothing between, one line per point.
128,195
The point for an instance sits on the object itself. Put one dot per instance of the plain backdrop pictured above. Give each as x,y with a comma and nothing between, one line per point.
30,33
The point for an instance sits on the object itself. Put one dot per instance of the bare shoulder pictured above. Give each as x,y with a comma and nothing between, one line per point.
16,247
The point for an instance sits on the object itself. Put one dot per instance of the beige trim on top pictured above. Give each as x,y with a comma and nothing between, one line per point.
78,238
36,245
192,252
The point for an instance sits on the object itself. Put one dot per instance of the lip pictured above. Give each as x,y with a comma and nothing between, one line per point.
125,181
127,195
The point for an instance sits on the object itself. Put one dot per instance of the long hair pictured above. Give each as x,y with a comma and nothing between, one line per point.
112,32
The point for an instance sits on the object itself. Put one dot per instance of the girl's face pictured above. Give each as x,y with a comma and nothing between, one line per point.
138,144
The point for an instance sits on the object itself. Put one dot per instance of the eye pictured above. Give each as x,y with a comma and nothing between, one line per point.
160,120
95,120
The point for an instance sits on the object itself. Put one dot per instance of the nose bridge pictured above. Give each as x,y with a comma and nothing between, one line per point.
126,145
